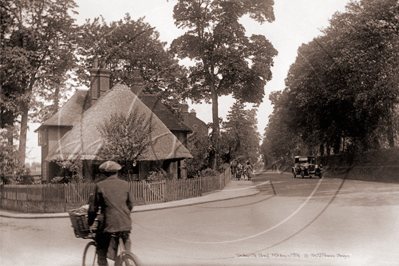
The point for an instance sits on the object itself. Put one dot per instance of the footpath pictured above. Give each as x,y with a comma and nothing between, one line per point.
234,189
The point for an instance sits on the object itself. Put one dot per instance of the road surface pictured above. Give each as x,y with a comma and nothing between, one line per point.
290,222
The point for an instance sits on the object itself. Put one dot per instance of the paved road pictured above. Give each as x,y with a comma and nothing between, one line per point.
308,222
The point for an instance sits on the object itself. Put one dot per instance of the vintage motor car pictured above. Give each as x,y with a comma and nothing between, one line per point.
306,166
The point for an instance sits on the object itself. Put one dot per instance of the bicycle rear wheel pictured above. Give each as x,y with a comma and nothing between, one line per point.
129,259
90,254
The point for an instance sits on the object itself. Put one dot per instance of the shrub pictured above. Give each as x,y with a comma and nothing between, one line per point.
198,146
223,167
157,175
11,170
71,171
209,172
385,157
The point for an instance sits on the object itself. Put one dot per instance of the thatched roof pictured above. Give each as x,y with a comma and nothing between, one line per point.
163,113
84,140
68,113
74,108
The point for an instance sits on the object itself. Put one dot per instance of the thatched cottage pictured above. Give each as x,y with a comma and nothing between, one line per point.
73,131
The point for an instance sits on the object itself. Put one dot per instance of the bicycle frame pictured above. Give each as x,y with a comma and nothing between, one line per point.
121,254
121,247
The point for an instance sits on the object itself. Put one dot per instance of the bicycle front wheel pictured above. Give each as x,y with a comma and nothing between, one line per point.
129,259
90,255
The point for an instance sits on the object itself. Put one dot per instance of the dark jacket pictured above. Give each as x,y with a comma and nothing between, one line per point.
116,202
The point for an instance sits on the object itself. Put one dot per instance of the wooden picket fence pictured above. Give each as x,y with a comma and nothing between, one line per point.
63,197
182,189
78,192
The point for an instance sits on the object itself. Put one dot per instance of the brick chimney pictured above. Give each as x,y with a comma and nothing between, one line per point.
184,107
193,113
138,82
99,82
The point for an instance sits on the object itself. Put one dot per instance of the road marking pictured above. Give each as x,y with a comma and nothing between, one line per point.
225,190
276,182
248,237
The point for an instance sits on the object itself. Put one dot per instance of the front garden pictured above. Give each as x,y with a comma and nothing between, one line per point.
53,198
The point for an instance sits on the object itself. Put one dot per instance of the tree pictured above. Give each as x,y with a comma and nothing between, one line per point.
198,146
240,139
281,139
37,55
369,42
342,90
125,138
227,62
127,45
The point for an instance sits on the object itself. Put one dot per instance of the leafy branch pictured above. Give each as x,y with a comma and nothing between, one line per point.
125,137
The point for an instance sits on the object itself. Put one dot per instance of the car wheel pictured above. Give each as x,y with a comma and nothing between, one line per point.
302,174
310,176
293,173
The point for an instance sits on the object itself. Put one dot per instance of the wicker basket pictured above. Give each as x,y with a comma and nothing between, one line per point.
80,224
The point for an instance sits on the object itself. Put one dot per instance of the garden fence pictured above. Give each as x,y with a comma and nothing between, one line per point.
50,198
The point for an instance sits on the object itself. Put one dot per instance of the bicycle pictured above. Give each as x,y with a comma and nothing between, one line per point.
123,257
79,220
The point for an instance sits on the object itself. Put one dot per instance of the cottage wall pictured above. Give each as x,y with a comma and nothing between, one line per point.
174,169
181,136
178,168
52,135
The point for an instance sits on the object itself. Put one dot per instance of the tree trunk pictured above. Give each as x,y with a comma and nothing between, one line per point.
56,100
337,145
390,133
215,126
24,131
7,119
322,149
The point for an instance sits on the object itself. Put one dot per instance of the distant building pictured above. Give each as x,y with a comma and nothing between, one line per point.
190,119
72,131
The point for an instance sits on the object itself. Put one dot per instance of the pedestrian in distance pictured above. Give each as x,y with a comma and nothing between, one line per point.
239,171
248,171
115,201
233,168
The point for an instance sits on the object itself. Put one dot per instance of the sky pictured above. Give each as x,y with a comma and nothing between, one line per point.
296,22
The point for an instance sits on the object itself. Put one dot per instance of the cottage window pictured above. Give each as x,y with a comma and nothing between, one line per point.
42,134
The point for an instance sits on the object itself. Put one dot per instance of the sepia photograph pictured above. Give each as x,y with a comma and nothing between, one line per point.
199,132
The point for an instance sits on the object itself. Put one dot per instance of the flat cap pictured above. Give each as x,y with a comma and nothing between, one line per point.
110,166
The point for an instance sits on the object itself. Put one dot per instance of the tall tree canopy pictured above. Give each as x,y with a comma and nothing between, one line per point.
37,54
227,62
342,90
125,45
